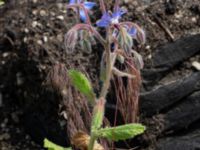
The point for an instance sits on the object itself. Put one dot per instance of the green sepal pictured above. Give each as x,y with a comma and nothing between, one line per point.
122,132
86,46
125,40
81,83
52,146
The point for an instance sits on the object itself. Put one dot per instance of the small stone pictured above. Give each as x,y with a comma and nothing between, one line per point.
35,1
5,55
60,17
34,12
43,13
26,30
39,42
45,39
34,24
196,65
149,56
52,13
194,19
60,37
148,47
25,39
127,1
60,6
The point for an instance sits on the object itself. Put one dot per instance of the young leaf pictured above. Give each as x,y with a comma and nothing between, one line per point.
122,132
51,146
98,113
81,83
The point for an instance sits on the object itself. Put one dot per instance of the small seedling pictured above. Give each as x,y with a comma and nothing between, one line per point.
118,42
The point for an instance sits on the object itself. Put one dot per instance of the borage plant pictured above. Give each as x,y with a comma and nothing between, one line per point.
118,43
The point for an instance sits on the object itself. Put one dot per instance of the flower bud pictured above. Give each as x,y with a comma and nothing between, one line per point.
70,40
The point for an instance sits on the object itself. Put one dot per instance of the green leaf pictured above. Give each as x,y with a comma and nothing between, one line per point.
81,83
51,146
122,132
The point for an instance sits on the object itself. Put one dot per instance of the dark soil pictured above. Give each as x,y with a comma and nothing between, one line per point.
31,43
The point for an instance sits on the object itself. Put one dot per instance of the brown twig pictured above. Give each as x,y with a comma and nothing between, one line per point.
166,30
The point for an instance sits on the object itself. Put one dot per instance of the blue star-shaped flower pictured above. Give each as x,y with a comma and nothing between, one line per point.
132,31
86,4
108,18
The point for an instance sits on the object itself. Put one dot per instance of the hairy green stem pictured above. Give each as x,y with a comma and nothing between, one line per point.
92,142
106,83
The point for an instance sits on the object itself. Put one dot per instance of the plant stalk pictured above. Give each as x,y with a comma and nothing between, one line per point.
106,83
92,142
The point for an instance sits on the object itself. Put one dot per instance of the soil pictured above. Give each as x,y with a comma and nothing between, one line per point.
32,42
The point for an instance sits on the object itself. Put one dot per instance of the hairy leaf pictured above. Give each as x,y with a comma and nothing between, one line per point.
122,132
81,83
51,146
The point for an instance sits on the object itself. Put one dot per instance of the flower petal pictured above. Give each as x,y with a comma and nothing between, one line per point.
82,15
104,21
72,1
132,32
89,5
118,13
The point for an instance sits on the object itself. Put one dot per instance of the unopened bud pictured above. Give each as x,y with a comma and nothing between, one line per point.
70,40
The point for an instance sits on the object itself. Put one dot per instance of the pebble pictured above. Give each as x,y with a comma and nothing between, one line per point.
60,17
149,56
26,30
45,39
3,62
25,39
39,42
60,37
43,13
35,1
193,19
34,24
5,55
127,1
34,12
148,47
52,13
196,65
